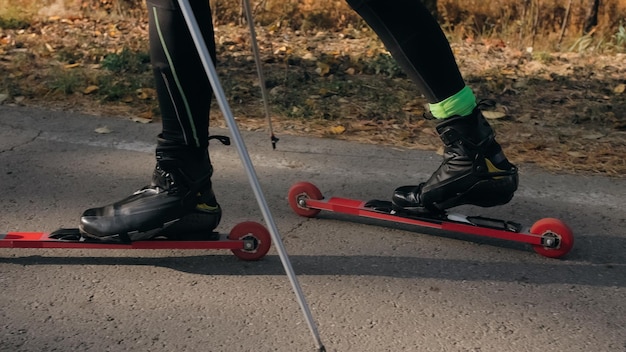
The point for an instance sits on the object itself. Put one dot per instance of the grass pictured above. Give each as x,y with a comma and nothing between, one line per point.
14,15
620,38
67,82
126,61
9,22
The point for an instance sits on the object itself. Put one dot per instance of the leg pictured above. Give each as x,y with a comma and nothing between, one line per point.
183,90
474,169
180,198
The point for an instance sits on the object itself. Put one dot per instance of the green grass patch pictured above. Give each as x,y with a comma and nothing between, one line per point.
114,88
13,23
127,61
67,82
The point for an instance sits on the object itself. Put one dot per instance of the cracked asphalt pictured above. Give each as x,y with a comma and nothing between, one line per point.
371,286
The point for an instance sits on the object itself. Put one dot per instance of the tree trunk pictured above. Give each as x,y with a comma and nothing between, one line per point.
591,20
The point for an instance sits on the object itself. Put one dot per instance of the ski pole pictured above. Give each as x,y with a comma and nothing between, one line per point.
209,67
259,68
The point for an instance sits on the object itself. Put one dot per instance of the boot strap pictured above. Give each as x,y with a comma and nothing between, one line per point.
189,199
450,136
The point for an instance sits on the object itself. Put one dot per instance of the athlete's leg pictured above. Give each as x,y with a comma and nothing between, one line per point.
474,169
180,197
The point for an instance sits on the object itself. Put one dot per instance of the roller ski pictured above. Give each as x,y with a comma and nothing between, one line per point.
549,237
247,240
177,210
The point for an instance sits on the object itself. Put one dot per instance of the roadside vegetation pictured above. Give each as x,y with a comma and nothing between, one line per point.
558,80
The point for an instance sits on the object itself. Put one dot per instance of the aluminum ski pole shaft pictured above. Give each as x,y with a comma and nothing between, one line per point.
209,67
259,68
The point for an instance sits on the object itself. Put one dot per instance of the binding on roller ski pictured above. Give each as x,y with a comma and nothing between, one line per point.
549,237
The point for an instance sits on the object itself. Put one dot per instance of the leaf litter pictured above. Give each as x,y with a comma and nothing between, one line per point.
562,111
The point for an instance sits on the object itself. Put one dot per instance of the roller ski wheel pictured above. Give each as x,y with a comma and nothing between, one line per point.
257,240
299,193
557,237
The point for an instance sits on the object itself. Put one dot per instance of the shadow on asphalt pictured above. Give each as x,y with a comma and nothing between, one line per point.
548,271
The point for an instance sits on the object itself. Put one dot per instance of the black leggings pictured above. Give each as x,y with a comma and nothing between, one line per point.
406,27
416,42
183,89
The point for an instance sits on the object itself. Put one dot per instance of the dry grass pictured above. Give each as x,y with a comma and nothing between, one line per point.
514,21
543,24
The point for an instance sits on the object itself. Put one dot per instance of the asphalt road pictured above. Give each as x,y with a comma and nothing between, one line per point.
370,286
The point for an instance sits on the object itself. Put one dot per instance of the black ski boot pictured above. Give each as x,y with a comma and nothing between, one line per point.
178,204
474,170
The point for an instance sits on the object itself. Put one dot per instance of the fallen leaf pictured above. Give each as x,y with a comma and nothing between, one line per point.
493,115
429,131
146,93
282,49
141,120
90,89
103,130
507,71
309,56
577,154
145,117
620,88
337,129
593,136
322,68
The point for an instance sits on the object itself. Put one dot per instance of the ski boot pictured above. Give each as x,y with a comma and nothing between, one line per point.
180,199
474,170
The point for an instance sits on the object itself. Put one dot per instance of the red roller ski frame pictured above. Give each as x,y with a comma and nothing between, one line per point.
549,237
247,240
